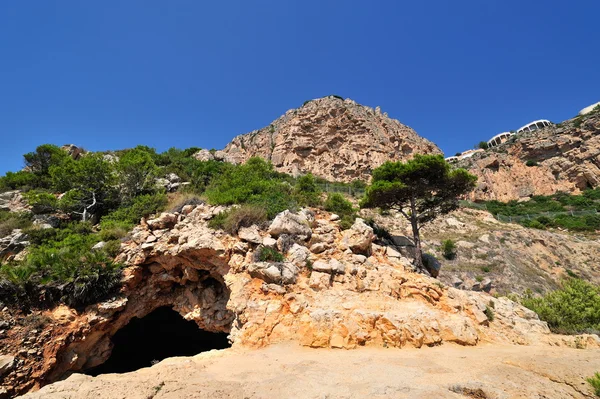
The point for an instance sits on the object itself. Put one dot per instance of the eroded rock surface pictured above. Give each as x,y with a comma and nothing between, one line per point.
566,158
336,139
331,299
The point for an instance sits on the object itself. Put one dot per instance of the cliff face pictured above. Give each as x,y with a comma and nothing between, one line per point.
565,157
332,138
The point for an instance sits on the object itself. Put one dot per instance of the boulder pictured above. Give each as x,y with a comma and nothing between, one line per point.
319,247
431,264
358,238
269,242
319,280
250,234
7,363
281,273
290,223
298,254
164,221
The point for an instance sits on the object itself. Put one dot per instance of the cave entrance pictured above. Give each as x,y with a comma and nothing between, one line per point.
160,334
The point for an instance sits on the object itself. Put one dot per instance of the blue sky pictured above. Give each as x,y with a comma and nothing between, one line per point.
114,74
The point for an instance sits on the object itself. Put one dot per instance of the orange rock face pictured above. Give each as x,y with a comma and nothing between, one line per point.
332,138
565,158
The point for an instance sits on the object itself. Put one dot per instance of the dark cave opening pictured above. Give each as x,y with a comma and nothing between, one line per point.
161,334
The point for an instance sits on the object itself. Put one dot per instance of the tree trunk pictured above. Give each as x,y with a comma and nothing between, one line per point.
416,236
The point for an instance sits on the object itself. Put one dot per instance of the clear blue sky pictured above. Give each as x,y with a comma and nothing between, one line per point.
114,74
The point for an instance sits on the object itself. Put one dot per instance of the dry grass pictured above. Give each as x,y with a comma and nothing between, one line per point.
178,200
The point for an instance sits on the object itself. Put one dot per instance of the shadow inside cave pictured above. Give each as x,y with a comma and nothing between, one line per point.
161,334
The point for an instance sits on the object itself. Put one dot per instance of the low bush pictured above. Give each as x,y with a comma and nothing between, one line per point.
13,220
256,183
234,219
264,254
572,309
61,268
41,201
531,162
178,200
449,249
336,203
142,206
306,191
595,383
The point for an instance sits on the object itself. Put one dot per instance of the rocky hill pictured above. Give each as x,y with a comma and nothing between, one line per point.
332,138
563,157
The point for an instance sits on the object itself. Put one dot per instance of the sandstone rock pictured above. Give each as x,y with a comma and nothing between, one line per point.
164,221
319,280
290,223
13,243
269,242
274,272
298,255
6,364
250,234
319,247
432,265
334,217
321,266
358,238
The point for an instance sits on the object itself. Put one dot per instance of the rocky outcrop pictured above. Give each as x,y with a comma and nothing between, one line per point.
335,298
336,139
497,257
12,201
564,157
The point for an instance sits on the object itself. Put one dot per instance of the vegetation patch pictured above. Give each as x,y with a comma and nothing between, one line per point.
595,383
265,254
572,309
234,219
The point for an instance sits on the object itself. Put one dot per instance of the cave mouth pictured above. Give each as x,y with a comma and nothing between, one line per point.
160,334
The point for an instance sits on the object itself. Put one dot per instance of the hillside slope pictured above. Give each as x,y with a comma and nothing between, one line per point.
564,157
332,138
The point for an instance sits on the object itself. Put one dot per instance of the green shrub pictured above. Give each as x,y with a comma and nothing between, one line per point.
61,268
306,191
41,201
531,162
112,248
336,203
572,309
265,254
489,313
595,383
142,206
234,219
449,249
18,180
483,145
254,182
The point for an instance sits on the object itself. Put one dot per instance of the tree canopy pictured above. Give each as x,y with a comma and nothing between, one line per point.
420,189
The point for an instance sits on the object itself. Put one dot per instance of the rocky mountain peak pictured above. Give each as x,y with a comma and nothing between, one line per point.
334,138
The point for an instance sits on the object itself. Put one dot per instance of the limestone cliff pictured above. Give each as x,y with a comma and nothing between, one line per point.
564,157
332,138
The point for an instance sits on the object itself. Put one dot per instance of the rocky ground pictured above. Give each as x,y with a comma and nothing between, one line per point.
336,139
501,258
290,371
334,289
566,156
